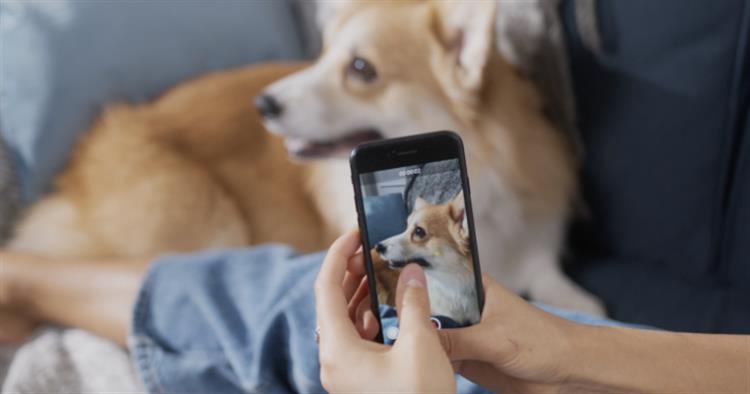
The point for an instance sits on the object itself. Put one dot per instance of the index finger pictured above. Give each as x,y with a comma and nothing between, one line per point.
331,303
356,264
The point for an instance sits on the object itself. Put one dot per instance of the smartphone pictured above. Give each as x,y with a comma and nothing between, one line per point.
414,206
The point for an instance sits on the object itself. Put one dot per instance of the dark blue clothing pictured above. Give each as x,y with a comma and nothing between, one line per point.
663,112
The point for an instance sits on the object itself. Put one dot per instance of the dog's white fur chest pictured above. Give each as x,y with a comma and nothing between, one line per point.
453,294
499,224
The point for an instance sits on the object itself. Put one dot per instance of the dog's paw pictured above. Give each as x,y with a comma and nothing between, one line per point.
559,291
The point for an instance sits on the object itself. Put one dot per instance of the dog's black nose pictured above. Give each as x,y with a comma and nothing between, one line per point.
267,106
380,248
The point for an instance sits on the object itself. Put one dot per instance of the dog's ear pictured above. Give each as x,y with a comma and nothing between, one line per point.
458,208
326,12
458,214
466,30
419,203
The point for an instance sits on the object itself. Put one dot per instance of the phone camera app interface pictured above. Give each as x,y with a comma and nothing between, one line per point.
416,214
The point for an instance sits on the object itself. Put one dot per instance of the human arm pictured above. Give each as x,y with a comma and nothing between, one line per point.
520,348
626,359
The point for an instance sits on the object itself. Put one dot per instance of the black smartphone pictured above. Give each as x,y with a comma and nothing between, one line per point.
414,206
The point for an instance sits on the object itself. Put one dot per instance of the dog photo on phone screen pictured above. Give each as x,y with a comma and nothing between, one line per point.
416,214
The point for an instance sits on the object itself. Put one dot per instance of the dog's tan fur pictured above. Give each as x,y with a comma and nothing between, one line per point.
386,279
194,169
444,222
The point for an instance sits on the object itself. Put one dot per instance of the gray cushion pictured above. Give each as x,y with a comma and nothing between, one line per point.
663,111
8,193
437,183
62,60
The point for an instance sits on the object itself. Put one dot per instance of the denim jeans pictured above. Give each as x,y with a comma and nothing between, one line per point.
236,321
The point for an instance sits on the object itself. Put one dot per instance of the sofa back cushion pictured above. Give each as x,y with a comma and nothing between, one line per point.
63,60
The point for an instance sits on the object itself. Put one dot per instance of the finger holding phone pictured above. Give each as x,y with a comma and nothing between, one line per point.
517,347
350,363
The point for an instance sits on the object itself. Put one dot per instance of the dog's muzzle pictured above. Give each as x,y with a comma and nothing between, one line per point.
398,264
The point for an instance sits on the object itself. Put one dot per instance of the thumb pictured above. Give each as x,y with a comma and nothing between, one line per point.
413,301
469,343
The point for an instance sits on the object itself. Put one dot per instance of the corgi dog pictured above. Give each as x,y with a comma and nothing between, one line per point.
195,168
393,68
436,238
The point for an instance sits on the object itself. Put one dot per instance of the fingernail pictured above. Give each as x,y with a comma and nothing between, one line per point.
413,276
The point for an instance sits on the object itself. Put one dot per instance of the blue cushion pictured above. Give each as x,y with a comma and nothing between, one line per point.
63,60
386,216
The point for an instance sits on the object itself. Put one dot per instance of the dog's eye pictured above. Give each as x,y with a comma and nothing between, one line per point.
361,69
419,232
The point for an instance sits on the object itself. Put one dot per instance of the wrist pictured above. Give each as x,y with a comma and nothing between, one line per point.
602,360
589,350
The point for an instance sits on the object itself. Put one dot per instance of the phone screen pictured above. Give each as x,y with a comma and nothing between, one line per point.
416,214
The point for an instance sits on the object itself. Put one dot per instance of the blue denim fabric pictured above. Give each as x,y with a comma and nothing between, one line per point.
235,321
389,323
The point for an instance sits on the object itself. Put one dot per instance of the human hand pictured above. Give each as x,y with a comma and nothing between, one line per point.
516,347
351,363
